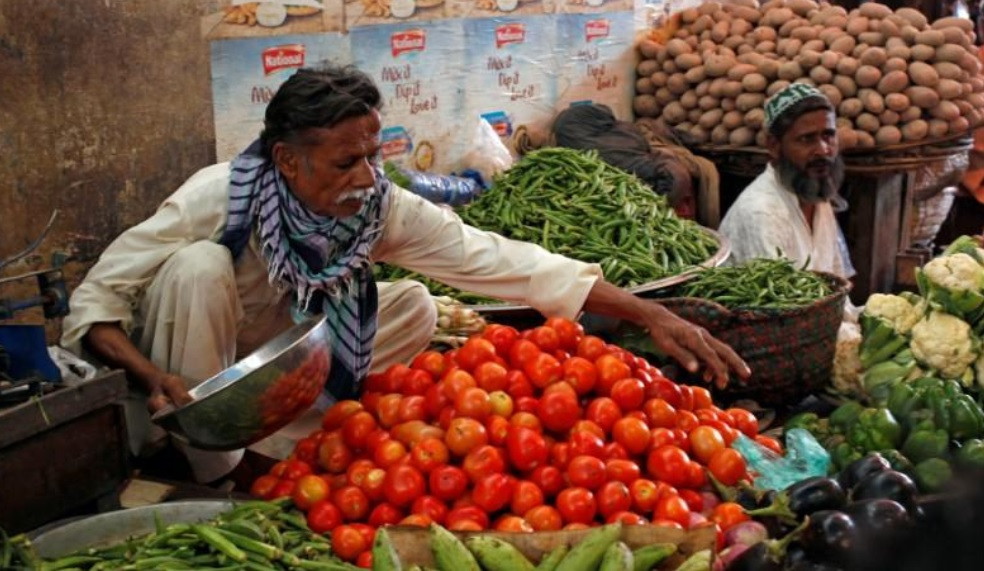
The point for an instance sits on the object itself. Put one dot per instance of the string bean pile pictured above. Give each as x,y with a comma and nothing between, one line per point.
254,536
758,283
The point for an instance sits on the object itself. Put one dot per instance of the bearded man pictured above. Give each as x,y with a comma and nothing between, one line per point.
789,208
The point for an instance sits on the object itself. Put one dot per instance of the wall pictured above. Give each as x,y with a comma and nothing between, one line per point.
106,109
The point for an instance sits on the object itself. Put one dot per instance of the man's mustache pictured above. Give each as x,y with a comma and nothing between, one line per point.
356,194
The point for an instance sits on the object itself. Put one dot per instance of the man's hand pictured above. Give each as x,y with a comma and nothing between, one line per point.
690,345
169,390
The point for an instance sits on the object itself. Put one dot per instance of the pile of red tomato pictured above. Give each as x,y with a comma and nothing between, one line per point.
538,430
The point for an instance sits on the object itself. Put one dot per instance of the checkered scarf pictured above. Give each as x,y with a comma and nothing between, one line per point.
323,260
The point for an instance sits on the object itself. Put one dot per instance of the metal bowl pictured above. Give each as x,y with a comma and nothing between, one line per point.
258,395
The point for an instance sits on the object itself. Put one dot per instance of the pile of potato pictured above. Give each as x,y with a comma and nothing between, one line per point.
892,76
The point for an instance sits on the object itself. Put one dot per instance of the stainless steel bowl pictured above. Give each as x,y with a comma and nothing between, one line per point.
258,395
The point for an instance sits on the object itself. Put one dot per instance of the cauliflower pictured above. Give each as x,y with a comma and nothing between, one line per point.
980,371
956,272
944,343
847,362
894,309
954,283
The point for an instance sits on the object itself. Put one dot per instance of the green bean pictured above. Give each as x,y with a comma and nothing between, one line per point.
759,283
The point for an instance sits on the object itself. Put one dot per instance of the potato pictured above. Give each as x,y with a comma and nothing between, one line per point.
682,34
683,127
964,106
844,45
776,18
748,101
874,10
687,61
805,33
751,58
845,85
776,87
865,139
923,74
933,38
971,64
764,34
832,93
923,97
956,37
888,28
689,15
910,114
742,136
871,38
959,125
649,49
734,42
769,68
711,118
647,67
801,7
896,102
755,118
645,106
915,130
732,89
659,78
873,102
664,97
829,59
875,57
821,75
897,44
889,117
708,102
888,135
909,34
859,49
913,16
644,86
963,24
895,64
789,47
677,84
847,65
728,104
846,138
856,26
893,82
689,99
733,119
736,73
945,110
949,52
786,29
844,123
720,31
694,114
676,47
744,13
829,35
850,107
867,122
937,128
709,8
948,70
704,23
765,47
867,76
807,59
699,134
719,135
717,87
695,74
790,71
717,65
949,89
674,113
922,53
703,88
670,67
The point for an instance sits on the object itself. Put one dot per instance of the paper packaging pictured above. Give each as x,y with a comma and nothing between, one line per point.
250,19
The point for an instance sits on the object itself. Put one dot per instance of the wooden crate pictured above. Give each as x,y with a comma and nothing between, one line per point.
62,452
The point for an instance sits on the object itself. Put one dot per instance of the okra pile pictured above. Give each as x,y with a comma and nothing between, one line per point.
758,283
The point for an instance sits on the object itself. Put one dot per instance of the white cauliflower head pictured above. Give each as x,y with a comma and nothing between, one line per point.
944,342
957,272
847,361
893,309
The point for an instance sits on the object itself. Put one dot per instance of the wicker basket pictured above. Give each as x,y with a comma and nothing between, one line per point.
790,352
930,215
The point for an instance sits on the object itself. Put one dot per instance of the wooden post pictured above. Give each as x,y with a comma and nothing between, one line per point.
873,230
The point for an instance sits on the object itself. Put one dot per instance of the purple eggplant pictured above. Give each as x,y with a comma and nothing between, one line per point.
830,537
889,485
861,468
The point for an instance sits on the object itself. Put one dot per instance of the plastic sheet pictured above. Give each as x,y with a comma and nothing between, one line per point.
805,458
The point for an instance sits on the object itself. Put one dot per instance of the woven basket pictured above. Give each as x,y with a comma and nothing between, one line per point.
790,351
930,215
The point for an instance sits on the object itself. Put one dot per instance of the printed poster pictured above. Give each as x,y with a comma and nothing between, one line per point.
418,69
247,72
598,61
594,6
512,8
359,13
243,19
511,68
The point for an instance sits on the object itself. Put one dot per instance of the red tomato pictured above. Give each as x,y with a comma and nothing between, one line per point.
558,411
474,352
428,454
560,387
614,451
416,520
549,479
375,438
465,525
513,524
493,492
526,404
464,435
702,397
356,428
364,560
368,532
577,505
338,412
632,434
560,455
373,484
309,490
502,404
467,513
413,407
403,484
686,398
306,450
669,464
455,381
580,373
352,502
417,383
705,441
728,514
430,361
498,429
613,497
665,389
323,516
687,420
728,466
484,460
544,518
473,403
645,494
546,338
523,351
744,421
527,419
435,400
586,472
628,393
388,453
770,443
333,455
611,369
667,523
696,479
569,332
501,336
385,514
448,483
519,385
727,433
263,486
659,413
431,507
291,469
526,496
543,369
625,471
347,542
491,376
627,518
526,448
584,443
673,508
695,502
604,412
591,347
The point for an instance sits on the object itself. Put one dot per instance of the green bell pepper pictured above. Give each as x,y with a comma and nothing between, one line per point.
845,415
806,420
843,454
932,474
898,461
903,399
939,403
875,429
965,419
971,454
925,441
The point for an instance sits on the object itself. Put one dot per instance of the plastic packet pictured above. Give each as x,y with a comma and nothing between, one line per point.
805,458
437,188
487,154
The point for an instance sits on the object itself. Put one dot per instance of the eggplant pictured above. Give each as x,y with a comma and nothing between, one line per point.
861,468
888,485
830,537
815,494
767,555
880,521
807,565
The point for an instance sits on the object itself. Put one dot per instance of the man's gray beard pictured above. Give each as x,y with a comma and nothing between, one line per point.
814,190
